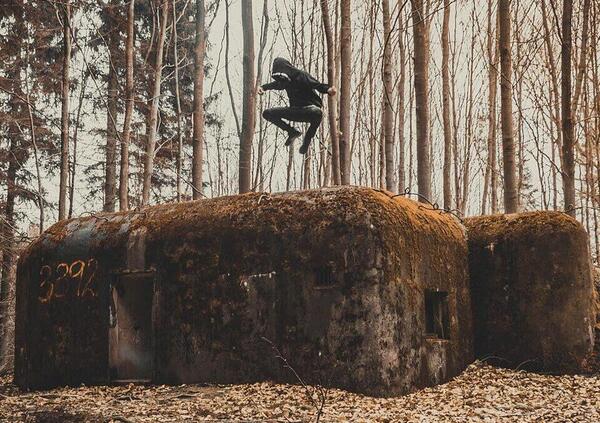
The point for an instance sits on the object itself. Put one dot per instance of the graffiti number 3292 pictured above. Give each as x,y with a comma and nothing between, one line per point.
68,279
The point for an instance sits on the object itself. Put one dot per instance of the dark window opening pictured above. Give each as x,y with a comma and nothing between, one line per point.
324,278
436,314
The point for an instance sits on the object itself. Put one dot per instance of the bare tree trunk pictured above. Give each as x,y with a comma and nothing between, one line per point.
129,102
264,34
373,150
388,110
307,159
588,154
421,82
401,119
494,126
411,98
556,118
518,74
179,156
258,183
455,120
36,155
581,67
469,125
382,152
491,174
153,118
331,100
568,171
198,137
557,144
9,255
306,170
596,112
75,140
8,224
345,94
249,99
259,174
508,146
227,77
446,107
64,132
40,197
288,175
110,180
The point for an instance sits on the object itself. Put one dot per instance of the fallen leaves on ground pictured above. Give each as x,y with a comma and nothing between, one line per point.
481,394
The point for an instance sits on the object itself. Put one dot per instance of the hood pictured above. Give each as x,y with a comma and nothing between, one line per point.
282,69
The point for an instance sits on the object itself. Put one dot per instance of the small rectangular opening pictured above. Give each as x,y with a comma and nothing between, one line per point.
324,278
436,314
131,329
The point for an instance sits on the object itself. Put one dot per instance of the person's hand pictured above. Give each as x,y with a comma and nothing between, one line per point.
260,91
331,91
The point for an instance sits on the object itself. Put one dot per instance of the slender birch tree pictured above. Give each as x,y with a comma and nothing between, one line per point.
64,125
154,103
568,171
401,102
388,110
129,103
110,170
446,107
508,146
421,83
345,86
331,100
249,99
198,137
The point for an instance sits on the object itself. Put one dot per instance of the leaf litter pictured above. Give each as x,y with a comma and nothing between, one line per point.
480,394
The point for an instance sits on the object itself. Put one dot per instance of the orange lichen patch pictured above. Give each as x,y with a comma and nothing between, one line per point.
520,224
424,217
350,205
420,218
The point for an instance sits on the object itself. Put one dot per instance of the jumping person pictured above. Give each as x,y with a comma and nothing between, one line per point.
305,103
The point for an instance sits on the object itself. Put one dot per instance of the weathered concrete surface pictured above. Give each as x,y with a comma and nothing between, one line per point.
594,362
532,290
334,278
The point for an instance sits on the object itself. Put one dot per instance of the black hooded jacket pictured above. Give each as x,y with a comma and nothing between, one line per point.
299,85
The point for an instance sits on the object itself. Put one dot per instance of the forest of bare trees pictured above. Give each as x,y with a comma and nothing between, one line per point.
480,107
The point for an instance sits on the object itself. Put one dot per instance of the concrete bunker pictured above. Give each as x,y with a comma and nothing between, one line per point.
532,290
358,290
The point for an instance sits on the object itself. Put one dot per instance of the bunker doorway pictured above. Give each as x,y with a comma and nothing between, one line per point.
131,333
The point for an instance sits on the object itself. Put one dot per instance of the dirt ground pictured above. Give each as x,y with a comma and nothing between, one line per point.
481,394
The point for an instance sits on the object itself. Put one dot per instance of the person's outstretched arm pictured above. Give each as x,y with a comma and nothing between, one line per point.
312,83
274,85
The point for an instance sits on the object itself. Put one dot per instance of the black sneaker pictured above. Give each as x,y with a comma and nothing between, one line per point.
292,136
304,146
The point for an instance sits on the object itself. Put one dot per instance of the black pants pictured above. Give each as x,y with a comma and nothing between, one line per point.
310,114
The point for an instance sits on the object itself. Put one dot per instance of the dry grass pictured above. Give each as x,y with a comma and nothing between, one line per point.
481,394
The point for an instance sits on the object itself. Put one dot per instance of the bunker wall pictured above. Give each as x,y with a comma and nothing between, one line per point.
531,290
337,280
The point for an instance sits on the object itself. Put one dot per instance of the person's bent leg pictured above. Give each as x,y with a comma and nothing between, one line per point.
276,115
315,116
